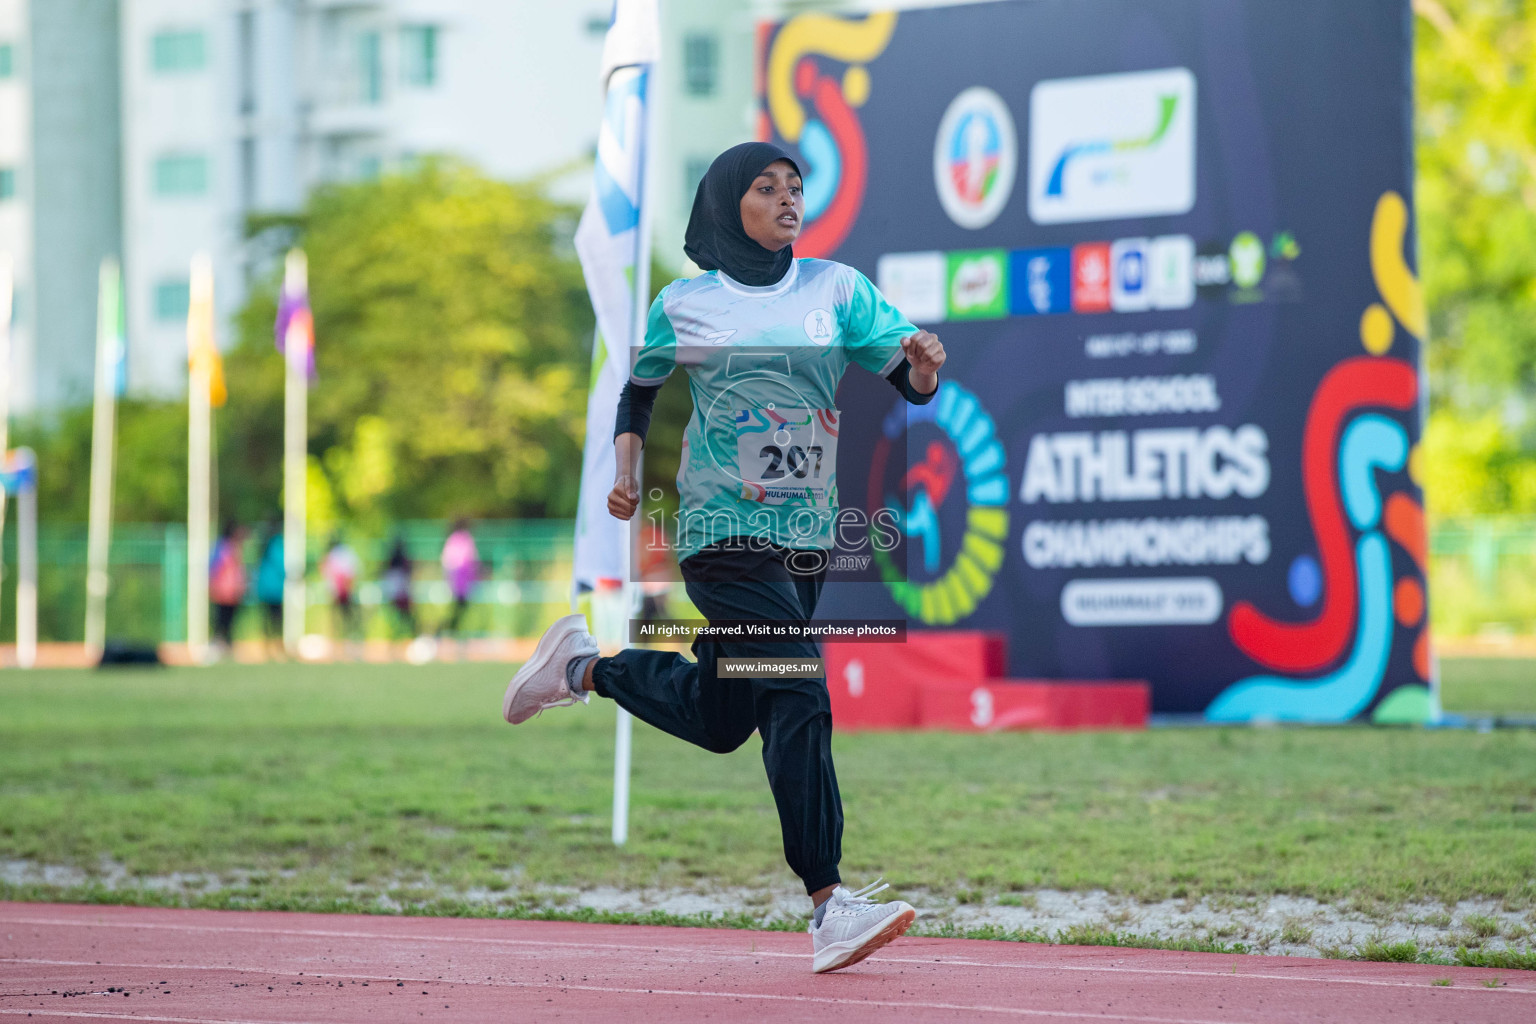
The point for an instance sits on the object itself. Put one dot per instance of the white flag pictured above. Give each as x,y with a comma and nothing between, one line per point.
612,241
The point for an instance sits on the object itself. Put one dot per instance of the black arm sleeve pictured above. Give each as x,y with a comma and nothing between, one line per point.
901,380
635,403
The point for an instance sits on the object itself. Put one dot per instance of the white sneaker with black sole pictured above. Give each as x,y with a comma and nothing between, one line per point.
854,926
541,682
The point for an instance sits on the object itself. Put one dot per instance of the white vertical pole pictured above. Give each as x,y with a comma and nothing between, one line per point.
623,732
103,452
199,457
295,456
624,728
26,576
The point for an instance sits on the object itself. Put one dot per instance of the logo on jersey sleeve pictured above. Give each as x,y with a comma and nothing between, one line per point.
820,327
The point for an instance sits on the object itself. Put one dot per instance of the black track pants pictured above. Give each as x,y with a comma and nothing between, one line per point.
794,716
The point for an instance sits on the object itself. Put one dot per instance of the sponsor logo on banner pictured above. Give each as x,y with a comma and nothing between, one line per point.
1213,268
914,282
1129,289
1040,281
1127,275
975,158
978,285
1171,272
1110,146
1247,256
1090,277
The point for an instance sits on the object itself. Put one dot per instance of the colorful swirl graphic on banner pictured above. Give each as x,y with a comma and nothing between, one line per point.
921,491
813,110
1344,446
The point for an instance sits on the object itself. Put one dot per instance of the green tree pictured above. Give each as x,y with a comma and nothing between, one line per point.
453,336
1476,197
150,482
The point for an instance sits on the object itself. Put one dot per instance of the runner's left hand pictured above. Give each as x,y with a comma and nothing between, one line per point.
924,351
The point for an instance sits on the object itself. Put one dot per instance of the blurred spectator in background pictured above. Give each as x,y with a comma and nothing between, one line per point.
270,574
339,568
461,568
397,587
226,583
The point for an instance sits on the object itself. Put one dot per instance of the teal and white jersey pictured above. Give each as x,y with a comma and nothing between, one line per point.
763,365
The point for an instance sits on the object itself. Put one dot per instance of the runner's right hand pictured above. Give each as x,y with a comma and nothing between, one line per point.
624,498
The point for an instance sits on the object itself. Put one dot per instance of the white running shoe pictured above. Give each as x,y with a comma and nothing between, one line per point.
854,926
540,683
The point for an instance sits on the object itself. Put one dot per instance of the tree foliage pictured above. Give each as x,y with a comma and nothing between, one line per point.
1476,197
452,331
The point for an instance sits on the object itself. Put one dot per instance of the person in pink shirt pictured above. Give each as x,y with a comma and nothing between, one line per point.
461,568
340,569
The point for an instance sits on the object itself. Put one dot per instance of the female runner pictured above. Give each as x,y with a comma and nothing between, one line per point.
765,339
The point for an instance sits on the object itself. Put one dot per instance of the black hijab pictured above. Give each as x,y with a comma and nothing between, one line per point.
715,239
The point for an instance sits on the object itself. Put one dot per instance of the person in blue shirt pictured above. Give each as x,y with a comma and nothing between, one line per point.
270,577
764,338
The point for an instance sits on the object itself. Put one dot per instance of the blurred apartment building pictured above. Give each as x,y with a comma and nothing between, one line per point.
154,129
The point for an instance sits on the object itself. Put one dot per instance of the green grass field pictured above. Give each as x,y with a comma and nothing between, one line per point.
330,787
1498,686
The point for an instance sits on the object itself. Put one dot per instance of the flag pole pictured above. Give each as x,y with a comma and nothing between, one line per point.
26,562
295,457
109,356
199,455
624,728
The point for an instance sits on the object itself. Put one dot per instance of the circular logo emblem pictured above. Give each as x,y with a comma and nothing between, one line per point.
820,327
975,157
968,465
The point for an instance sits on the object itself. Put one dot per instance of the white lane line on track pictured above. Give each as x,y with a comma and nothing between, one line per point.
1015,1011
739,955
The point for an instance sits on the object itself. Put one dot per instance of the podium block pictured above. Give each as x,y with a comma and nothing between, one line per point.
955,654
869,688
875,686
998,704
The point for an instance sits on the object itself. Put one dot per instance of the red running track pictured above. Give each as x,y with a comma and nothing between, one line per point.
60,962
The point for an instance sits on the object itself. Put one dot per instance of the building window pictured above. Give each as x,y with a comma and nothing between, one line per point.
7,183
370,68
693,173
7,60
418,56
246,35
700,55
178,51
172,298
248,174
181,175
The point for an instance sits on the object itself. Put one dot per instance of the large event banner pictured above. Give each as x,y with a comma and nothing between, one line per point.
1168,248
